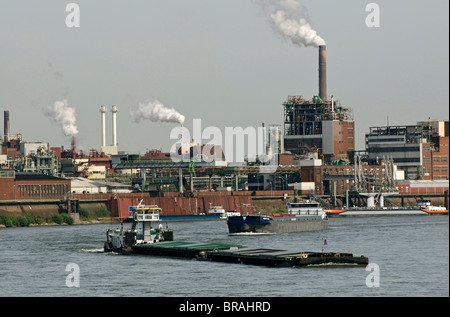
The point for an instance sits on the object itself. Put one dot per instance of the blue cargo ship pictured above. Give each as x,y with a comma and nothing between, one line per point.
303,216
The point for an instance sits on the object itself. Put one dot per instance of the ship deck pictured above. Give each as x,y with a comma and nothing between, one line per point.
283,258
231,253
181,248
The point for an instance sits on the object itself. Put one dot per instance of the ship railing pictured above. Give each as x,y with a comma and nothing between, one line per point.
145,207
306,212
146,217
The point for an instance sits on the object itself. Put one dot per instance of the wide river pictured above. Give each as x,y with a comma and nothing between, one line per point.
409,257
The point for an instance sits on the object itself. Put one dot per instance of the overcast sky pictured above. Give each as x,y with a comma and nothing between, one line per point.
219,61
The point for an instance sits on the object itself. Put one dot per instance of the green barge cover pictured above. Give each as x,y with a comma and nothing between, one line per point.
182,248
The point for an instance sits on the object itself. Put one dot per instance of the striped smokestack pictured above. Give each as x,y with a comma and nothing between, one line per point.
323,72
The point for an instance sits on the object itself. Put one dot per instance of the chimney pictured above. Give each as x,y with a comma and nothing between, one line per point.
73,147
323,72
103,115
114,111
6,126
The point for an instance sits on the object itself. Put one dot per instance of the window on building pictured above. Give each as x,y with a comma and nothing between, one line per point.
443,158
6,174
435,158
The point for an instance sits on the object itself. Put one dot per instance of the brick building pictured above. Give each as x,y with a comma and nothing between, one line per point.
318,126
420,150
32,186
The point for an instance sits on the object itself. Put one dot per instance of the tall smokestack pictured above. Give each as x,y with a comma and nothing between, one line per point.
114,112
6,126
73,147
103,116
323,72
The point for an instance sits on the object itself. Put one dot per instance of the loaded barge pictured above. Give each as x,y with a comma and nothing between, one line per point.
219,252
143,239
301,217
282,258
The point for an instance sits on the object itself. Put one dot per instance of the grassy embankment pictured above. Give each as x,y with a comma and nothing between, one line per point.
28,219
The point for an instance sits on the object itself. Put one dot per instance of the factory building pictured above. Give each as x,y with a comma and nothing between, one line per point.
319,125
39,159
420,150
17,186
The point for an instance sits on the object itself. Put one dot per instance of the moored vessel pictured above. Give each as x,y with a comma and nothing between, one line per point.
425,205
220,212
423,208
303,216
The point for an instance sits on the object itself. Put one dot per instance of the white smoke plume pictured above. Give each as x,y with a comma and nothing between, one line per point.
64,115
156,112
290,19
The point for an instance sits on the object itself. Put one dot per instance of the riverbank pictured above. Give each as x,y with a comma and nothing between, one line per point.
29,220
100,210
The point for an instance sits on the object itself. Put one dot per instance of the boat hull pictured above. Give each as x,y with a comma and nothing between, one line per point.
267,225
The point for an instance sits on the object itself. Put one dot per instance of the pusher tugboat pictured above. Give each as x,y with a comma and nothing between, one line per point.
141,231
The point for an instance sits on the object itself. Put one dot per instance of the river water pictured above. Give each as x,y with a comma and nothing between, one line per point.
411,254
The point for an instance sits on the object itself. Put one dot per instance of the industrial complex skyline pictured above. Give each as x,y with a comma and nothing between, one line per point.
222,63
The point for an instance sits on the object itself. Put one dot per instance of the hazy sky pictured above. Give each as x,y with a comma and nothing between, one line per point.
219,61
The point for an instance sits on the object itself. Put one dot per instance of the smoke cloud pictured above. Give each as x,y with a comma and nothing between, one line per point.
290,19
63,115
156,112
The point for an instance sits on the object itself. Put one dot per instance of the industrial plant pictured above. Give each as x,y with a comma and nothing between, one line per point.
316,158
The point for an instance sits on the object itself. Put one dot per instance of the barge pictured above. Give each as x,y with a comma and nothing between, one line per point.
229,253
303,216
282,258
219,252
423,208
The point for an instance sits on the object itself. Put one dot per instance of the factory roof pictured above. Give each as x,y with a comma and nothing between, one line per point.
36,177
